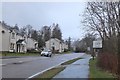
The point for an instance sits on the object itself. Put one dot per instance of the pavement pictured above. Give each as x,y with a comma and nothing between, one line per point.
78,69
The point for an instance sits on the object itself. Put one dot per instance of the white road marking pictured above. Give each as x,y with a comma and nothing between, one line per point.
44,71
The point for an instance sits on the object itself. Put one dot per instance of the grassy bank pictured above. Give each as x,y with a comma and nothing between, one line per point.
96,72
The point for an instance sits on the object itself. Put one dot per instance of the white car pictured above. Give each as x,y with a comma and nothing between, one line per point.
47,53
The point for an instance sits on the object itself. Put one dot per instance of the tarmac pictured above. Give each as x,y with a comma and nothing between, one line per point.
78,69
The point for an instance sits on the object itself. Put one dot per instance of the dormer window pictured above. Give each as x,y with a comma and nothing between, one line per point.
13,35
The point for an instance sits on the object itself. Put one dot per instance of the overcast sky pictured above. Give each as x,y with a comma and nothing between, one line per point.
37,14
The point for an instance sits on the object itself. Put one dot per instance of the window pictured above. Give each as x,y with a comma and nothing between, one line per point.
13,35
53,43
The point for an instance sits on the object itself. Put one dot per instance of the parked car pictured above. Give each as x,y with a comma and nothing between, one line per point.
47,53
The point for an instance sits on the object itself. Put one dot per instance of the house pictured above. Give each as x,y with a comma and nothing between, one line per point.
0,38
11,40
31,44
5,35
56,44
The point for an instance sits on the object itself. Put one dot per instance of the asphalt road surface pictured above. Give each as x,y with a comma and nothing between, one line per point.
28,67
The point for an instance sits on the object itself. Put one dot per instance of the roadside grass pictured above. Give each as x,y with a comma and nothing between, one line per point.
68,52
48,75
96,72
20,54
71,61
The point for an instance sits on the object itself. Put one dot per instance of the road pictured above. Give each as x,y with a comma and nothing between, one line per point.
30,66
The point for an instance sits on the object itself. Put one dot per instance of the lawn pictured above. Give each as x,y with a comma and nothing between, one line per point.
21,54
96,72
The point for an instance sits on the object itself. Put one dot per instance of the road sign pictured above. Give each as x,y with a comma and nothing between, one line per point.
97,44
88,48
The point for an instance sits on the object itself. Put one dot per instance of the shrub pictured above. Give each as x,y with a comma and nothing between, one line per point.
108,61
32,51
66,50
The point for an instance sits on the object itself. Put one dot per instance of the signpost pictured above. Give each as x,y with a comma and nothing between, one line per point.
97,44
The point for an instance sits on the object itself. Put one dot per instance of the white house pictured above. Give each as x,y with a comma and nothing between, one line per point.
5,35
31,43
11,40
56,44
1,38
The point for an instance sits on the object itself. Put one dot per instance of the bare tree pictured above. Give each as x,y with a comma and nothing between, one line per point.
103,18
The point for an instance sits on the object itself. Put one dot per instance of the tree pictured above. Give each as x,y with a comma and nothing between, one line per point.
29,30
69,43
41,43
16,27
26,30
34,35
23,31
56,33
46,33
102,17
88,41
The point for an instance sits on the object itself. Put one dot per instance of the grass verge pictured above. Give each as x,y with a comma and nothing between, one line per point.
21,54
68,52
0,54
70,61
48,75
96,72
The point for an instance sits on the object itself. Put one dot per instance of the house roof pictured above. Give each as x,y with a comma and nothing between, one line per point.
21,41
54,39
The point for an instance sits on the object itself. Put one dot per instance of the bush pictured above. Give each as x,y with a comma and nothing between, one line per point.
32,51
56,51
66,50
77,50
108,61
